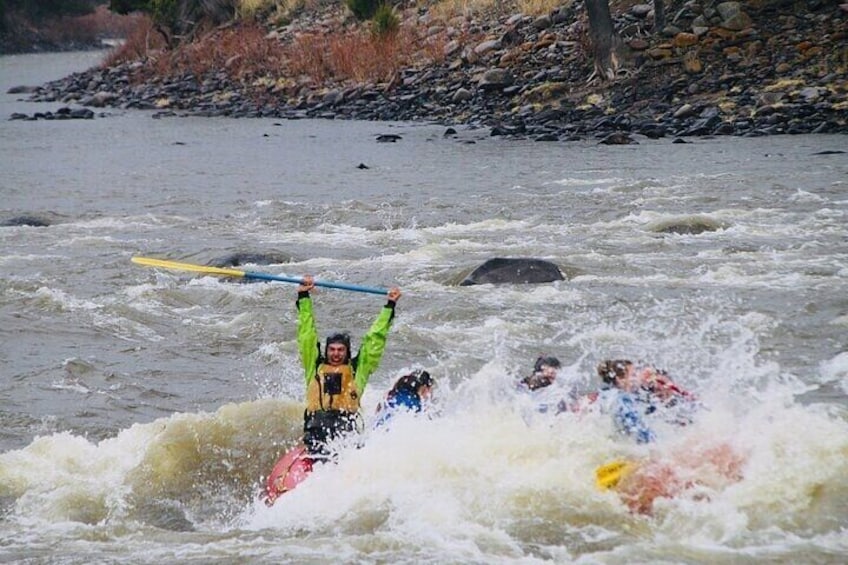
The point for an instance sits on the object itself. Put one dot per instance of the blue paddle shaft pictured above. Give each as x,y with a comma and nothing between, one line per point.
325,284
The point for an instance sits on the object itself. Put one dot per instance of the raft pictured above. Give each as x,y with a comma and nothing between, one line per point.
289,471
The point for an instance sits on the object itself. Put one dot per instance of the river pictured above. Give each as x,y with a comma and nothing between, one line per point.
140,408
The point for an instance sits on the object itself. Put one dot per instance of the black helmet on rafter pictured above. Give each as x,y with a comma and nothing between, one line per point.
422,378
339,337
546,361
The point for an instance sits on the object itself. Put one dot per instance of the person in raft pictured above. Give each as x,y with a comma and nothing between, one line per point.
410,393
335,380
654,387
631,392
541,386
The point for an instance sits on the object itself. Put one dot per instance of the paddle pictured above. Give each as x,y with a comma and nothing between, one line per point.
150,262
608,476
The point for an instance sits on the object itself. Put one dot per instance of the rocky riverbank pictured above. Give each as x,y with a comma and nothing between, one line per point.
731,68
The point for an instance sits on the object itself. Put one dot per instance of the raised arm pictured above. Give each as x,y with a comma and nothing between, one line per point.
307,335
374,341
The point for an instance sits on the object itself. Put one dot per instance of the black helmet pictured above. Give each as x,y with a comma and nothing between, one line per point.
422,378
412,382
549,361
339,337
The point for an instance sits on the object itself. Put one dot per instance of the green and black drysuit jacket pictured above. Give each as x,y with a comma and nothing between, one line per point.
323,425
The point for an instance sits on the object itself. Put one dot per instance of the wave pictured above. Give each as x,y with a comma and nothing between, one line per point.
478,470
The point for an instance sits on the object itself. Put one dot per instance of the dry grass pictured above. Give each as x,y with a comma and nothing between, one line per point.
140,43
246,54
243,52
358,56
445,10
540,7
281,12
249,9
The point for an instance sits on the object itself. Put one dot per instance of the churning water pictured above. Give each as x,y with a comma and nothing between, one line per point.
141,408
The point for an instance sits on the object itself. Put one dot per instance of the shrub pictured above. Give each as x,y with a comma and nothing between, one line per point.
385,21
251,9
241,52
363,9
140,41
127,6
358,56
165,12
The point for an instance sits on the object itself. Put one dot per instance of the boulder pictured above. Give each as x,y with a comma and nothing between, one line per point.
514,271
689,225
25,220
240,258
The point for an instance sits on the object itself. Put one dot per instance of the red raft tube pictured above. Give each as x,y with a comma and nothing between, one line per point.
290,470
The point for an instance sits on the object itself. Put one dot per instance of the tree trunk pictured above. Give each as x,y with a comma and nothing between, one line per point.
659,16
606,43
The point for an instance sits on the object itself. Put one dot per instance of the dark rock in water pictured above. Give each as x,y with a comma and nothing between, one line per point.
829,152
687,226
388,138
514,271
23,89
652,131
80,114
362,166
33,221
547,137
618,138
63,113
238,259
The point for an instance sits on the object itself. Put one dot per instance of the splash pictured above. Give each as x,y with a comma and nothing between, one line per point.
480,474
174,472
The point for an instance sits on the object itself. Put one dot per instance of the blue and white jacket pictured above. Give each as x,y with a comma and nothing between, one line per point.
628,410
402,401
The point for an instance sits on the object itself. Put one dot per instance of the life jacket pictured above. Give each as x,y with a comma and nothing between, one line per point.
333,388
659,383
402,400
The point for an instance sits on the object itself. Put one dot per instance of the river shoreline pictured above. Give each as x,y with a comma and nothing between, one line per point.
759,70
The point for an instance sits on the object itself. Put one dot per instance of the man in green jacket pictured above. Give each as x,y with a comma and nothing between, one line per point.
335,381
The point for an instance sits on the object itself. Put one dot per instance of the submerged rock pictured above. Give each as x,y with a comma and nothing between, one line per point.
240,258
693,225
25,220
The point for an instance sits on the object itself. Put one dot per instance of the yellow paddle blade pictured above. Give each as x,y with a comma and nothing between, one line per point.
607,476
150,262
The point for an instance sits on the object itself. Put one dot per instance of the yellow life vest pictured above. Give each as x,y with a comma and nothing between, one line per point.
332,388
